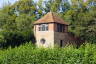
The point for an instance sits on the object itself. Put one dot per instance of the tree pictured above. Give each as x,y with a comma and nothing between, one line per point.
82,23
24,22
25,7
16,22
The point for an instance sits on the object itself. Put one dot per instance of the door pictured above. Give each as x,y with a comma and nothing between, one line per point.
61,43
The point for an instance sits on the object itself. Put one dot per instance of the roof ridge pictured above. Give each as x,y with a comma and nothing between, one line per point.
52,16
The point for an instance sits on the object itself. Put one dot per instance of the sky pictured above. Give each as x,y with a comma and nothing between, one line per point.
6,1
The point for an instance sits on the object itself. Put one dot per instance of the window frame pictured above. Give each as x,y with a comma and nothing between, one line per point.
60,27
43,27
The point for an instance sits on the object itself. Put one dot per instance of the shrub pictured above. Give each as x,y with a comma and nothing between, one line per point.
29,54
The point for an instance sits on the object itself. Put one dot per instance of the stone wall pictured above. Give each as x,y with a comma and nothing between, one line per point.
60,36
52,37
47,35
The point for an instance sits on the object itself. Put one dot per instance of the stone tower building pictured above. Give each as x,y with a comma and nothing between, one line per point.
50,30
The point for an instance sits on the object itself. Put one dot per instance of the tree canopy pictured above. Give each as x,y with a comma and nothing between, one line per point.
16,21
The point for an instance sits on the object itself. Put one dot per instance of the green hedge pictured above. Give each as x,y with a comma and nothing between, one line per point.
28,54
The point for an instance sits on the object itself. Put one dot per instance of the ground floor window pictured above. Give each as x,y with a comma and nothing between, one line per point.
43,41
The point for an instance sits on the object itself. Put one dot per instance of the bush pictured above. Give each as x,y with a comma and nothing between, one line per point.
29,54
15,38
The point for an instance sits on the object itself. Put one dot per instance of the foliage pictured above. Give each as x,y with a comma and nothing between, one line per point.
16,28
17,20
28,54
16,23
82,23
25,7
15,38
24,22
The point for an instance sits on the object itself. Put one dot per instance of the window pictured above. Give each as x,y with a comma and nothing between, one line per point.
60,28
43,41
43,27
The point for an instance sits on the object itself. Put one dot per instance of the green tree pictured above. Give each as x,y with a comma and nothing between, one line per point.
24,22
16,22
25,7
82,23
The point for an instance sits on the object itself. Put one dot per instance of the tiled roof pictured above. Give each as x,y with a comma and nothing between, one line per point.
51,17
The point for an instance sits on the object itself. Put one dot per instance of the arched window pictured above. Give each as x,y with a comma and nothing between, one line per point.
43,41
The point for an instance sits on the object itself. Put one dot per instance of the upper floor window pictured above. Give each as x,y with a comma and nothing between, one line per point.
43,27
60,28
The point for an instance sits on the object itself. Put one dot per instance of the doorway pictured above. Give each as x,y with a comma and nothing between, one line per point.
61,43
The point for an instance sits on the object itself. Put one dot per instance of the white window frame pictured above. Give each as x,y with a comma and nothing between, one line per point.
43,27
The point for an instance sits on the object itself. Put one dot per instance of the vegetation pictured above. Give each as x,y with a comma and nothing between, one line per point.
28,54
16,28
16,21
